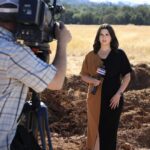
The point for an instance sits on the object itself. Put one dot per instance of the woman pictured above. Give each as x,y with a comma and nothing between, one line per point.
104,108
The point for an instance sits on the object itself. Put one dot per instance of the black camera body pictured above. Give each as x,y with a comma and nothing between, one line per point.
36,21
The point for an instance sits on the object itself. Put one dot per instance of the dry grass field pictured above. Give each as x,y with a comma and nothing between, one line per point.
67,107
135,40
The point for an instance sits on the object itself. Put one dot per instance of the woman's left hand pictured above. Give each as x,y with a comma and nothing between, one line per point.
114,102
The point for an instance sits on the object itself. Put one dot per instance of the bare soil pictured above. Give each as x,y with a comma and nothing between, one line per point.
68,120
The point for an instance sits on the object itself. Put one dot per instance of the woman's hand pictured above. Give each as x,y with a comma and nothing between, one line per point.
91,80
114,102
96,82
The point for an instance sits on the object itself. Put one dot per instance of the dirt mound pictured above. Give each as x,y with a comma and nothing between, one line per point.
67,108
140,77
68,121
135,120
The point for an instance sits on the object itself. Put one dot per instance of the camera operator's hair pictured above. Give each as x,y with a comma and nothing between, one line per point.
8,10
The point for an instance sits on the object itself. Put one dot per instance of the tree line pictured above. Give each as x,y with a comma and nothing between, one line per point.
110,13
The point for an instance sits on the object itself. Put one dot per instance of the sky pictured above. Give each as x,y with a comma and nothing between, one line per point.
133,1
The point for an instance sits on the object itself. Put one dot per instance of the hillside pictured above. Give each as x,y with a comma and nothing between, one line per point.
86,12
68,121
74,1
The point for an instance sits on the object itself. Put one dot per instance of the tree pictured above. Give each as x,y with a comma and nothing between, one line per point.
110,18
110,13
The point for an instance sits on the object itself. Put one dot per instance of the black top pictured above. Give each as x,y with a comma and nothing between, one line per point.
117,65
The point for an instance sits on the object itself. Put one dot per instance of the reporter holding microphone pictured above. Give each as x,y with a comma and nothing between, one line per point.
101,72
107,71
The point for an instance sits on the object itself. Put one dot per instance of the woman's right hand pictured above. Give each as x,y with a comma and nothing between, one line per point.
91,80
96,82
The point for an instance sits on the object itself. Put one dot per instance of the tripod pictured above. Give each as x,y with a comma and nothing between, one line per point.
36,112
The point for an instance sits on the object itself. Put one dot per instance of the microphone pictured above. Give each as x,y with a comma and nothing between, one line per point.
101,72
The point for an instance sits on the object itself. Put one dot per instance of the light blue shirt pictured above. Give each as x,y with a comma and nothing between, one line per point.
19,69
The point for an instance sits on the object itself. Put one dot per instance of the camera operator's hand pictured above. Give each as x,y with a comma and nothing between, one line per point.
63,36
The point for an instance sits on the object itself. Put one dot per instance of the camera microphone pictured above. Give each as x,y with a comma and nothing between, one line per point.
101,72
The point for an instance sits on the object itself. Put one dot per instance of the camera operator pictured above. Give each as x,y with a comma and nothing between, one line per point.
21,69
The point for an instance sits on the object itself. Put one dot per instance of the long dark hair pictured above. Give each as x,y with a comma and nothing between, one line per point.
114,41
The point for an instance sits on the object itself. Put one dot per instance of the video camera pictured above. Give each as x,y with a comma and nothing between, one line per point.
36,21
